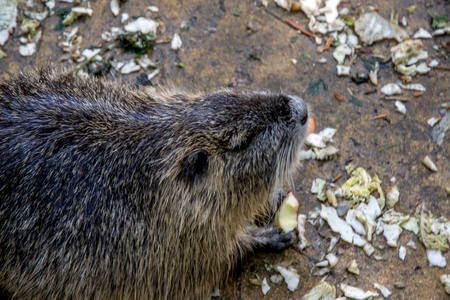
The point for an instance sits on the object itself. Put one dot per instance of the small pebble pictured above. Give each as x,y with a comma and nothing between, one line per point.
402,253
400,284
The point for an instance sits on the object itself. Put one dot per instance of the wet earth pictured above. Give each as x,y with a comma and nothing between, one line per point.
221,49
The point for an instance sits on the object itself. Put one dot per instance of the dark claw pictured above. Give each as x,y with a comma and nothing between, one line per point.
280,197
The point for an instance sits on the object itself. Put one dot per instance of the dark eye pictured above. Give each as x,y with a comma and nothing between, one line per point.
195,166
304,119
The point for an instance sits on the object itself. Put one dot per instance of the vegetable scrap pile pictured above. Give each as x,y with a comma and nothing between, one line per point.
136,36
333,26
360,212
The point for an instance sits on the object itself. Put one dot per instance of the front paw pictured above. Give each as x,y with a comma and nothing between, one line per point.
271,238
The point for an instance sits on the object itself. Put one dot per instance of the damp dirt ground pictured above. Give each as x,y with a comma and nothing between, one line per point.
219,50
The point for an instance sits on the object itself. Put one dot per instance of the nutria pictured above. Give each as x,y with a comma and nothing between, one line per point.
110,192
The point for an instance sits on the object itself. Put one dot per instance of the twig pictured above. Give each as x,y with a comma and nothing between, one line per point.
445,68
372,91
380,116
287,21
162,41
295,26
396,98
386,148
337,178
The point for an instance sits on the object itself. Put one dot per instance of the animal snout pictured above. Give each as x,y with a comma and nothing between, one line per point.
299,109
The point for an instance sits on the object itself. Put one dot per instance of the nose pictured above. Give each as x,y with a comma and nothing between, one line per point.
300,109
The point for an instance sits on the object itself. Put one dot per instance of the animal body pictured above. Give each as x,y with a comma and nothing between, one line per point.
110,192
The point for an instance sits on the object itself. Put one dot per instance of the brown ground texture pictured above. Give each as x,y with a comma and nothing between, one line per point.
216,53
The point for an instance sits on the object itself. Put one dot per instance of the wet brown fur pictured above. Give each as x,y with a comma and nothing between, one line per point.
108,192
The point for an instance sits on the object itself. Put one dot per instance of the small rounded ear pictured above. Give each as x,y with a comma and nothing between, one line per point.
195,166
244,143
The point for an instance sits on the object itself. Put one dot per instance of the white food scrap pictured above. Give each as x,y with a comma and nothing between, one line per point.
368,249
429,164
373,74
90,53
306,155
413,86
330,10
322,264
176,43
322,291
303,242
445,280
338,225
75,13
392,197
392,232
406,54
318,186
327,134
290,276
372,27
153,8
401,108
384,291
402,253
142,25
412,224
124,18
130,67
333,243
353,268
436,259
8,19
265,286
356,293
276,278
115,8
433,63
332,259
311,7
153,74
284,4
326,153
422,68
319,150
341,52
315,140
366,215
357,226
342,70
422,34
27,49
331,198
145,62
391,89
412,245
